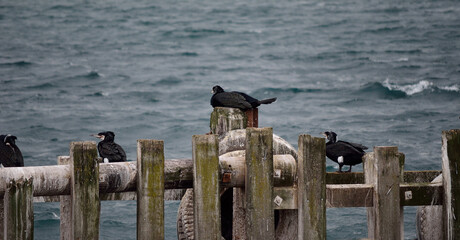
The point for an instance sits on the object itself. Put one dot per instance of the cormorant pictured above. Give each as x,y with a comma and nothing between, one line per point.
10,155
235,99
343,153
108,150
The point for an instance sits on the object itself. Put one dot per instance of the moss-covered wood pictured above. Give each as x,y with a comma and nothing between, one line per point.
150,189
260,222
86,206
312,187
451,182
206,191
226,119
19,211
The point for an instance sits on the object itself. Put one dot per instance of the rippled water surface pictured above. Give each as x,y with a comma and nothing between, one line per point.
375,72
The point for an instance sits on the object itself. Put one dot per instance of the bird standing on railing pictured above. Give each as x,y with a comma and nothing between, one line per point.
10,155
108,150
343,153
235,99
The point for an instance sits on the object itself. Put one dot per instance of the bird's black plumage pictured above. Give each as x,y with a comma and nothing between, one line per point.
240,100
108,149
10,155
343,153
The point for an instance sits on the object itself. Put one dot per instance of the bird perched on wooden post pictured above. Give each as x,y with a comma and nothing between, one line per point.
108,150
10,155
240,100
343,153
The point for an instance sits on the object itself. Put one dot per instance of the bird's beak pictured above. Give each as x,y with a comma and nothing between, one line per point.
212,91
324,134
98,136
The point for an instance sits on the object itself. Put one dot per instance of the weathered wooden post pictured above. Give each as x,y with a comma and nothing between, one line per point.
86,206
224,120
19,210
227,119
150,189
206,193
383,170
260,221
402,159
65,207
451,183
312,187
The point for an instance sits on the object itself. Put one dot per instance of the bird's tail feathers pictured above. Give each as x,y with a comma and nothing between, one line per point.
267,101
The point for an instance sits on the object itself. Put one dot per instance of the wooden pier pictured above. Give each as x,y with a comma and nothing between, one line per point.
267,181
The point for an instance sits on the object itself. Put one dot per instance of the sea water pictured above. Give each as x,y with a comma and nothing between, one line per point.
375,72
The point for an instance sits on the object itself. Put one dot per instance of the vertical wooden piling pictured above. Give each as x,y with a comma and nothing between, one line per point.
86,205
65,207
19,211
206,192
227,119
260,222
369,178
402,159
312,188
451,182
386,193
223,120
150,189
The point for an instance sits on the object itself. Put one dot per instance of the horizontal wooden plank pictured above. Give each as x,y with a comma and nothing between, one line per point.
418,194
344,178
349,195
420,176
358,177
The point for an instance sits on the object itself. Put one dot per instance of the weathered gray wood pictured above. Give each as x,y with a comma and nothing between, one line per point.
239,214
386,193
150,189
227,119
402,159
349,195
260,221
312,187
285,198
65,207
19,210
370,174
206,191
86,206
451,182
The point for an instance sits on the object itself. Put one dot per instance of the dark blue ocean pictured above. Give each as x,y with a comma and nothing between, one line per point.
375,72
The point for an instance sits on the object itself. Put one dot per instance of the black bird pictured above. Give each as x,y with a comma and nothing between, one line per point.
108,150
10,155
235,99
343,153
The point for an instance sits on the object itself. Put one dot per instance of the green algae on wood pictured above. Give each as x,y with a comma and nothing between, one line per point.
259,219
226,119
86,205
150,189
19,211
312,187
206,191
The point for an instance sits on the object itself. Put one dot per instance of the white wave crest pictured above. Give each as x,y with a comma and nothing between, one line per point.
410,89
453,88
